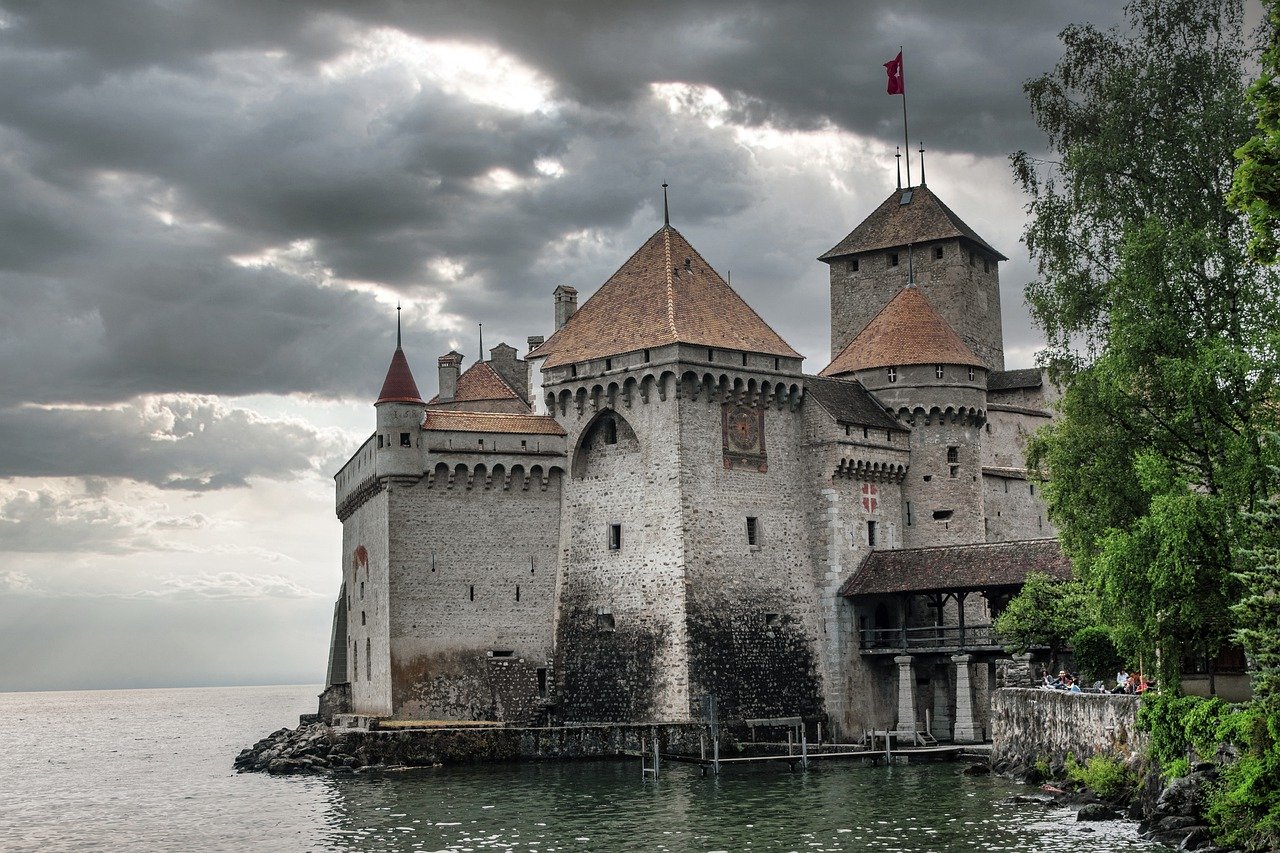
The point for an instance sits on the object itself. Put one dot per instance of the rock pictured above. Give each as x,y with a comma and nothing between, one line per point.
1176,822
1030,776
1171,837
1087,829
1183,797
1198,839
1096,811
976,770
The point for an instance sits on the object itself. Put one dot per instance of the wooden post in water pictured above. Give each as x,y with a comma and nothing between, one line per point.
804,747
790,736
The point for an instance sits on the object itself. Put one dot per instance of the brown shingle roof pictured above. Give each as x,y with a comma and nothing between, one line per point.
440,420
399,386
654,299
849,403
481,382
957,567
906,331
893,223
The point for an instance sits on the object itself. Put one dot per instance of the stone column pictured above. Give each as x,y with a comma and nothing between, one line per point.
966,730
906,695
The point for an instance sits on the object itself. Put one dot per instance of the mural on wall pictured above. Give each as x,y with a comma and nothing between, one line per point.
742,431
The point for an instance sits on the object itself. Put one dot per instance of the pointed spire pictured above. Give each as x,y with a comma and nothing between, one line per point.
666,211
398,324
897,155
922,163
399,386
481,325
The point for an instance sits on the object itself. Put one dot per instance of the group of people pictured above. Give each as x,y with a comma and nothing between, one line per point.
1126,682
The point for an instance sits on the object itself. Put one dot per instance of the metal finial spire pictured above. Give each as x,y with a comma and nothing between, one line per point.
921,163
481,325
666,211
397,325
897,154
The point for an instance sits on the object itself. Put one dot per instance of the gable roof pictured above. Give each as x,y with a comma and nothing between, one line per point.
921,219
399,386
848,401
655,299
1009,380
906,331
456,420
957,567
481,382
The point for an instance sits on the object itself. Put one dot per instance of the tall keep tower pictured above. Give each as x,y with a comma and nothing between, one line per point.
913,235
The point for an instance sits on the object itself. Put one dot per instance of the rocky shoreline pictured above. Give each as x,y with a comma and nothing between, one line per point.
1171,814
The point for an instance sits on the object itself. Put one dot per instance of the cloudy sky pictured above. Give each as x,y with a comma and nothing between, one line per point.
208,211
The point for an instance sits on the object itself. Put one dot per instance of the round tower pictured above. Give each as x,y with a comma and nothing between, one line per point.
920,370
400,413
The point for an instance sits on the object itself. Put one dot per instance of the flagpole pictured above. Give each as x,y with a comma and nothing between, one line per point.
902,72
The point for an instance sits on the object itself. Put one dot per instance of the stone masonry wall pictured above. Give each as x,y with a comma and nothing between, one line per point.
620,634
964,290
364,567
1030,724
473,580
751,611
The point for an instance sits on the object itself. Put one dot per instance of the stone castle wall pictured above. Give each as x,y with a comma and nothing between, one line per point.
365,559
473,581
1030,724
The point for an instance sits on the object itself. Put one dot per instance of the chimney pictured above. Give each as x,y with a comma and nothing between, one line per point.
450,364
534,342
566,304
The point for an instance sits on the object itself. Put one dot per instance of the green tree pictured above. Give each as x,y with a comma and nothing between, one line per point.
1256,189
1160,327
1095,653
1045,613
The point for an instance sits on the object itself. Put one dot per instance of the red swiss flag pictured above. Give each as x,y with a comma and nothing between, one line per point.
894,69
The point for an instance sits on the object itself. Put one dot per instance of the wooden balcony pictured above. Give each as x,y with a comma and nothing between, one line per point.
939,639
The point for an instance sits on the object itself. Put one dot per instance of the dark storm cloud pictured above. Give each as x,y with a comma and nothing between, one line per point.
144,145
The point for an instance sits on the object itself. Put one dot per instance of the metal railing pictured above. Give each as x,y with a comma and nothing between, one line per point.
933,637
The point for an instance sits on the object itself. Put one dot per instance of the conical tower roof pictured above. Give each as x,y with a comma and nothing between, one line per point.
906,331
665,293
912,215
399,386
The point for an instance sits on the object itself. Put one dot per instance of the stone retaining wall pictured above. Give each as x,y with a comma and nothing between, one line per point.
1031,724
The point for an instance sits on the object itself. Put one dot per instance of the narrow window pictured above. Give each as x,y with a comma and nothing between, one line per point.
864,432
953,455
777,364
615,537
480,442
753,531
711,355
646,359
942,514
542,677
573,370
355,660
1033,488
368,658
853,265
908,513
893,259
363,621
744,359
937,253
608,364
888,435
517,592
893,374
970,374
610,431
773,620
471,592
379,441
362,590
524,444
1006,487
604,622
871,534
1040,521
501,653
937,371
405,440
846,430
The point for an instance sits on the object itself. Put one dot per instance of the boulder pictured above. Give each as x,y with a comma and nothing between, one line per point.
1183,797
976,770
1096,811
1198,839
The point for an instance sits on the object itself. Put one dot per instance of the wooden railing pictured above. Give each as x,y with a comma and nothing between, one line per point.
929,638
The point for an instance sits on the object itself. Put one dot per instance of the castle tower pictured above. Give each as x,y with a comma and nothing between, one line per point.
922,372
684,566
400,408
914,236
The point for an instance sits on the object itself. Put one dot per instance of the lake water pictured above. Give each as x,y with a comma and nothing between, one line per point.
151,770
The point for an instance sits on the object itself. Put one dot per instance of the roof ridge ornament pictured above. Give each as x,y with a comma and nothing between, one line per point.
398,346
666,210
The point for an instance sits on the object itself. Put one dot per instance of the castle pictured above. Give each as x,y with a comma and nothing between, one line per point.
658,504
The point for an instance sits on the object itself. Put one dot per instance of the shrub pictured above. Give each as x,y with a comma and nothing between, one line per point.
1176,769
1106,776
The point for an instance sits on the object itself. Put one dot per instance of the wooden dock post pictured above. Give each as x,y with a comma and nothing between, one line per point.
804,748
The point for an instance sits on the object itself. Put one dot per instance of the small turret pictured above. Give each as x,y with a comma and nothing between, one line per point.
400,410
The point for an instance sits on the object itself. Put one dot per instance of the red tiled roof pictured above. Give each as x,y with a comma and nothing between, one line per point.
399,386
921,220
906,331
481,382
441,420
655,299
957,567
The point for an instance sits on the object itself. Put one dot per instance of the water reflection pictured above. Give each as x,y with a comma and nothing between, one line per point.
606,806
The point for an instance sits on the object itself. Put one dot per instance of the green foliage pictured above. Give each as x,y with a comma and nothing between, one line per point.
1258,610
1045,613
1108,777
1176,769
1043,768
1161,328
1256,189
1162,716
1095,653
